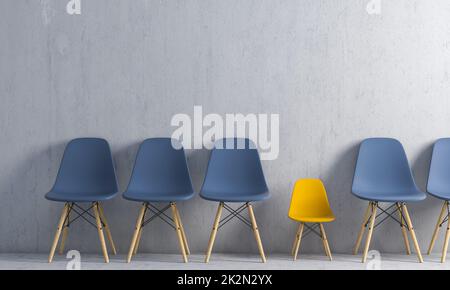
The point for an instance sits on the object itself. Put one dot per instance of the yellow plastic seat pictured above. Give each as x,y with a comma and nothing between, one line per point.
309,204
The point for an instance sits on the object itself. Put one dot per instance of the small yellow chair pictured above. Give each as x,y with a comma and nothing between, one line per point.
309,204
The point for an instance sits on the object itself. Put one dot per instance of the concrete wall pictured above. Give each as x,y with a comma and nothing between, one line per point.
122,69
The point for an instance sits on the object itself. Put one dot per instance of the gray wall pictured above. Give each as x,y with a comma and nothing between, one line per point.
122,69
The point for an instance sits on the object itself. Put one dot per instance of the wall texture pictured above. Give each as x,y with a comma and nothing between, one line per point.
122,69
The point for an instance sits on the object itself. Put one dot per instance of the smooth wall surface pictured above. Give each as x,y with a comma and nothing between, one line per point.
122,69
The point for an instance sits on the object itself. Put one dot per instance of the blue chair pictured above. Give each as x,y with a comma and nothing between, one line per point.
234,175
382,174
439,187
160,174
86,175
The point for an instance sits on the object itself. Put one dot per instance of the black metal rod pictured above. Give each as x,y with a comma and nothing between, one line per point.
86,211
162,211
233,214
311,229
83,217
158,214
229,209
378,215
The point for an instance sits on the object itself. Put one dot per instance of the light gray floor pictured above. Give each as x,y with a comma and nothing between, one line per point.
224,262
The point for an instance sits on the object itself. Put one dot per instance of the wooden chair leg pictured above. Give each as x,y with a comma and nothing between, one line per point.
438,226
65,231
362,230
107,229
445,247
141,230
369,234
100,232
404,231
136,231
214,232
58,232
295,241
183,233
412,232
256,232
325,242
178,230
138,241
298,240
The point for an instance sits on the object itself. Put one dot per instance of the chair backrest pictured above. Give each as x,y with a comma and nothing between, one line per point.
382,167
86,168
160,168
309,199
234,170
439,175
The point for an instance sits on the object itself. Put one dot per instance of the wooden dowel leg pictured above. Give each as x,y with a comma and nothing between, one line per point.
325,242
58,232
294,245
373,207
178,230
438,226
404,231
138,241
183,233
107,229
65,231
136,231
256,232
412,232
213,232
295,240
100,232
298,240
362,230
141,230
445,247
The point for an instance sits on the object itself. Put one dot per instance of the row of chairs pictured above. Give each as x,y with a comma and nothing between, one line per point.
383,175
160,175
234,175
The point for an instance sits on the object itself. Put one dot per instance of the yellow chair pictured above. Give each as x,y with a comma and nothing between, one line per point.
309,204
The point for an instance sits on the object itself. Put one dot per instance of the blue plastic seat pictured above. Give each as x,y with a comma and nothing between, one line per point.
383,174
160,173
86,173
439,187
234,175
439,175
